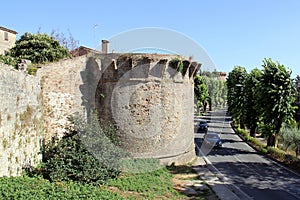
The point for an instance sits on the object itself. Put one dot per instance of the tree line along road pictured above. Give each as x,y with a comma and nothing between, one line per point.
248,173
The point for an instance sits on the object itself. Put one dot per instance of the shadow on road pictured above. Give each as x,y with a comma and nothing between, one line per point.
244,168
270,183
225,151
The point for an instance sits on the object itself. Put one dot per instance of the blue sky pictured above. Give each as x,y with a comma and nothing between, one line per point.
232,32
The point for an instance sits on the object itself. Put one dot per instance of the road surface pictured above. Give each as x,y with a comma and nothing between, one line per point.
250,174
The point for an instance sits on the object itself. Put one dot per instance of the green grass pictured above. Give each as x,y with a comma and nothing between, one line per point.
280,155
152,185
39,188
140,165
258,144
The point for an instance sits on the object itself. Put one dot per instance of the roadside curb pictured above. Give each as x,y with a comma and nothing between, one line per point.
217,181
214,182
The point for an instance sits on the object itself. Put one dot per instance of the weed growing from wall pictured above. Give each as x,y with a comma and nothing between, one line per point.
177,64
5,143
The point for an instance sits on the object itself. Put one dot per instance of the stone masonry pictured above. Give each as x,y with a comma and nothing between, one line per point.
20,120
148,97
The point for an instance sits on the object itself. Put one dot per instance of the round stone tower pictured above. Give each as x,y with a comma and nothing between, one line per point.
150,99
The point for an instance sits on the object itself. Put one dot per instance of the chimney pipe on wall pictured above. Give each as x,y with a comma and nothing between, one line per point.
105,46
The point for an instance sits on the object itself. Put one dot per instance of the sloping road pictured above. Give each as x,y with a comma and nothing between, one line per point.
249,174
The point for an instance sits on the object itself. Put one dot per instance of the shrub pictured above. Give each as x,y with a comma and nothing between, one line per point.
276,153
176,64
291,139
84,155
39,48
32,70
10,60
258,143
243,132
264,150
70,160
248,138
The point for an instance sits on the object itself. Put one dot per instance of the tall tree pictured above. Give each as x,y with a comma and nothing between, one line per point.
236,94
201,92
216,90
276,96
223,93
251,111
297,100
39,48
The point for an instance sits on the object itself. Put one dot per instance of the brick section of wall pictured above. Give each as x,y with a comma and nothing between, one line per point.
21,123
68,88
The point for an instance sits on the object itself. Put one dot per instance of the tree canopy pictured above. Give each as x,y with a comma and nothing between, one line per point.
266,96
277,94
216,90
236,93
209,90
200,91
39,48
251,98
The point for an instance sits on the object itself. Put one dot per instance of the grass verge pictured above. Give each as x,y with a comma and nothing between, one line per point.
148,185
277,154
158,184
41,189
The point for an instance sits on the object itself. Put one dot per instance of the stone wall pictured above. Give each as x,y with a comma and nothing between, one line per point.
21,122
68,89
148,97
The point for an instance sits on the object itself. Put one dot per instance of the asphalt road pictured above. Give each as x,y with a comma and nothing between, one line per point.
250,174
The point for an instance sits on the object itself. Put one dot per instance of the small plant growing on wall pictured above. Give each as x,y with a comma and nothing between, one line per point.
176,64
5,143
